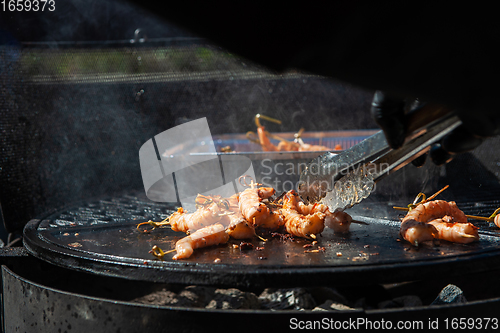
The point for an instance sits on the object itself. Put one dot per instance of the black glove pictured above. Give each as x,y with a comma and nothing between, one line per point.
388,112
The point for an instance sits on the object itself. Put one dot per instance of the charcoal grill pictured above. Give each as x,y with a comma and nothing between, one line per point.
101,237
71,189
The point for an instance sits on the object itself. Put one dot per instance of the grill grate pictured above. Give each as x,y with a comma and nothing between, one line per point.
114,211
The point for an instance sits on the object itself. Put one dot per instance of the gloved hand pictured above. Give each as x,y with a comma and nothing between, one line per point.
388,112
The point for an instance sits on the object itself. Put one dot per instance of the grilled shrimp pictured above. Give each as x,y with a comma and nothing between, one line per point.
284,145
434,209
339,221
264,140
496,220
239,228
202,217
296,222
416,232
417,227
257,212
207,236
455,232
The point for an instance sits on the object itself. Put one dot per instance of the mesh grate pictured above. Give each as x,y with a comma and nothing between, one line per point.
170,60
129,208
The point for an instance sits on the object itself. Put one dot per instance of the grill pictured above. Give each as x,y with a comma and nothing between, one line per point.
101,237
74,116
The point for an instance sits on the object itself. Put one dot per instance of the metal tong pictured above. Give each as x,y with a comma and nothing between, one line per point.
347,178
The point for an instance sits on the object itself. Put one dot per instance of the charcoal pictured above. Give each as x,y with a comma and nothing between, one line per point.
233,298
165,297
362,303
330,305
199,295
287,299
388,304
450,294
323,294
408,301
323,307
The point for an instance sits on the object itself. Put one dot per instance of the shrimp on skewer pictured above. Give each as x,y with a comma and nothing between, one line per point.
218,219
262,134
298,224
202,217
339,221
263,138
437,219
214,222
435,209
210,210
257,212
187,222
230,225
239,227
207,236
417,232
212,235
227,209
495,217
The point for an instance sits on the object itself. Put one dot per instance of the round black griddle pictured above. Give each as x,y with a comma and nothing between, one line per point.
101,237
